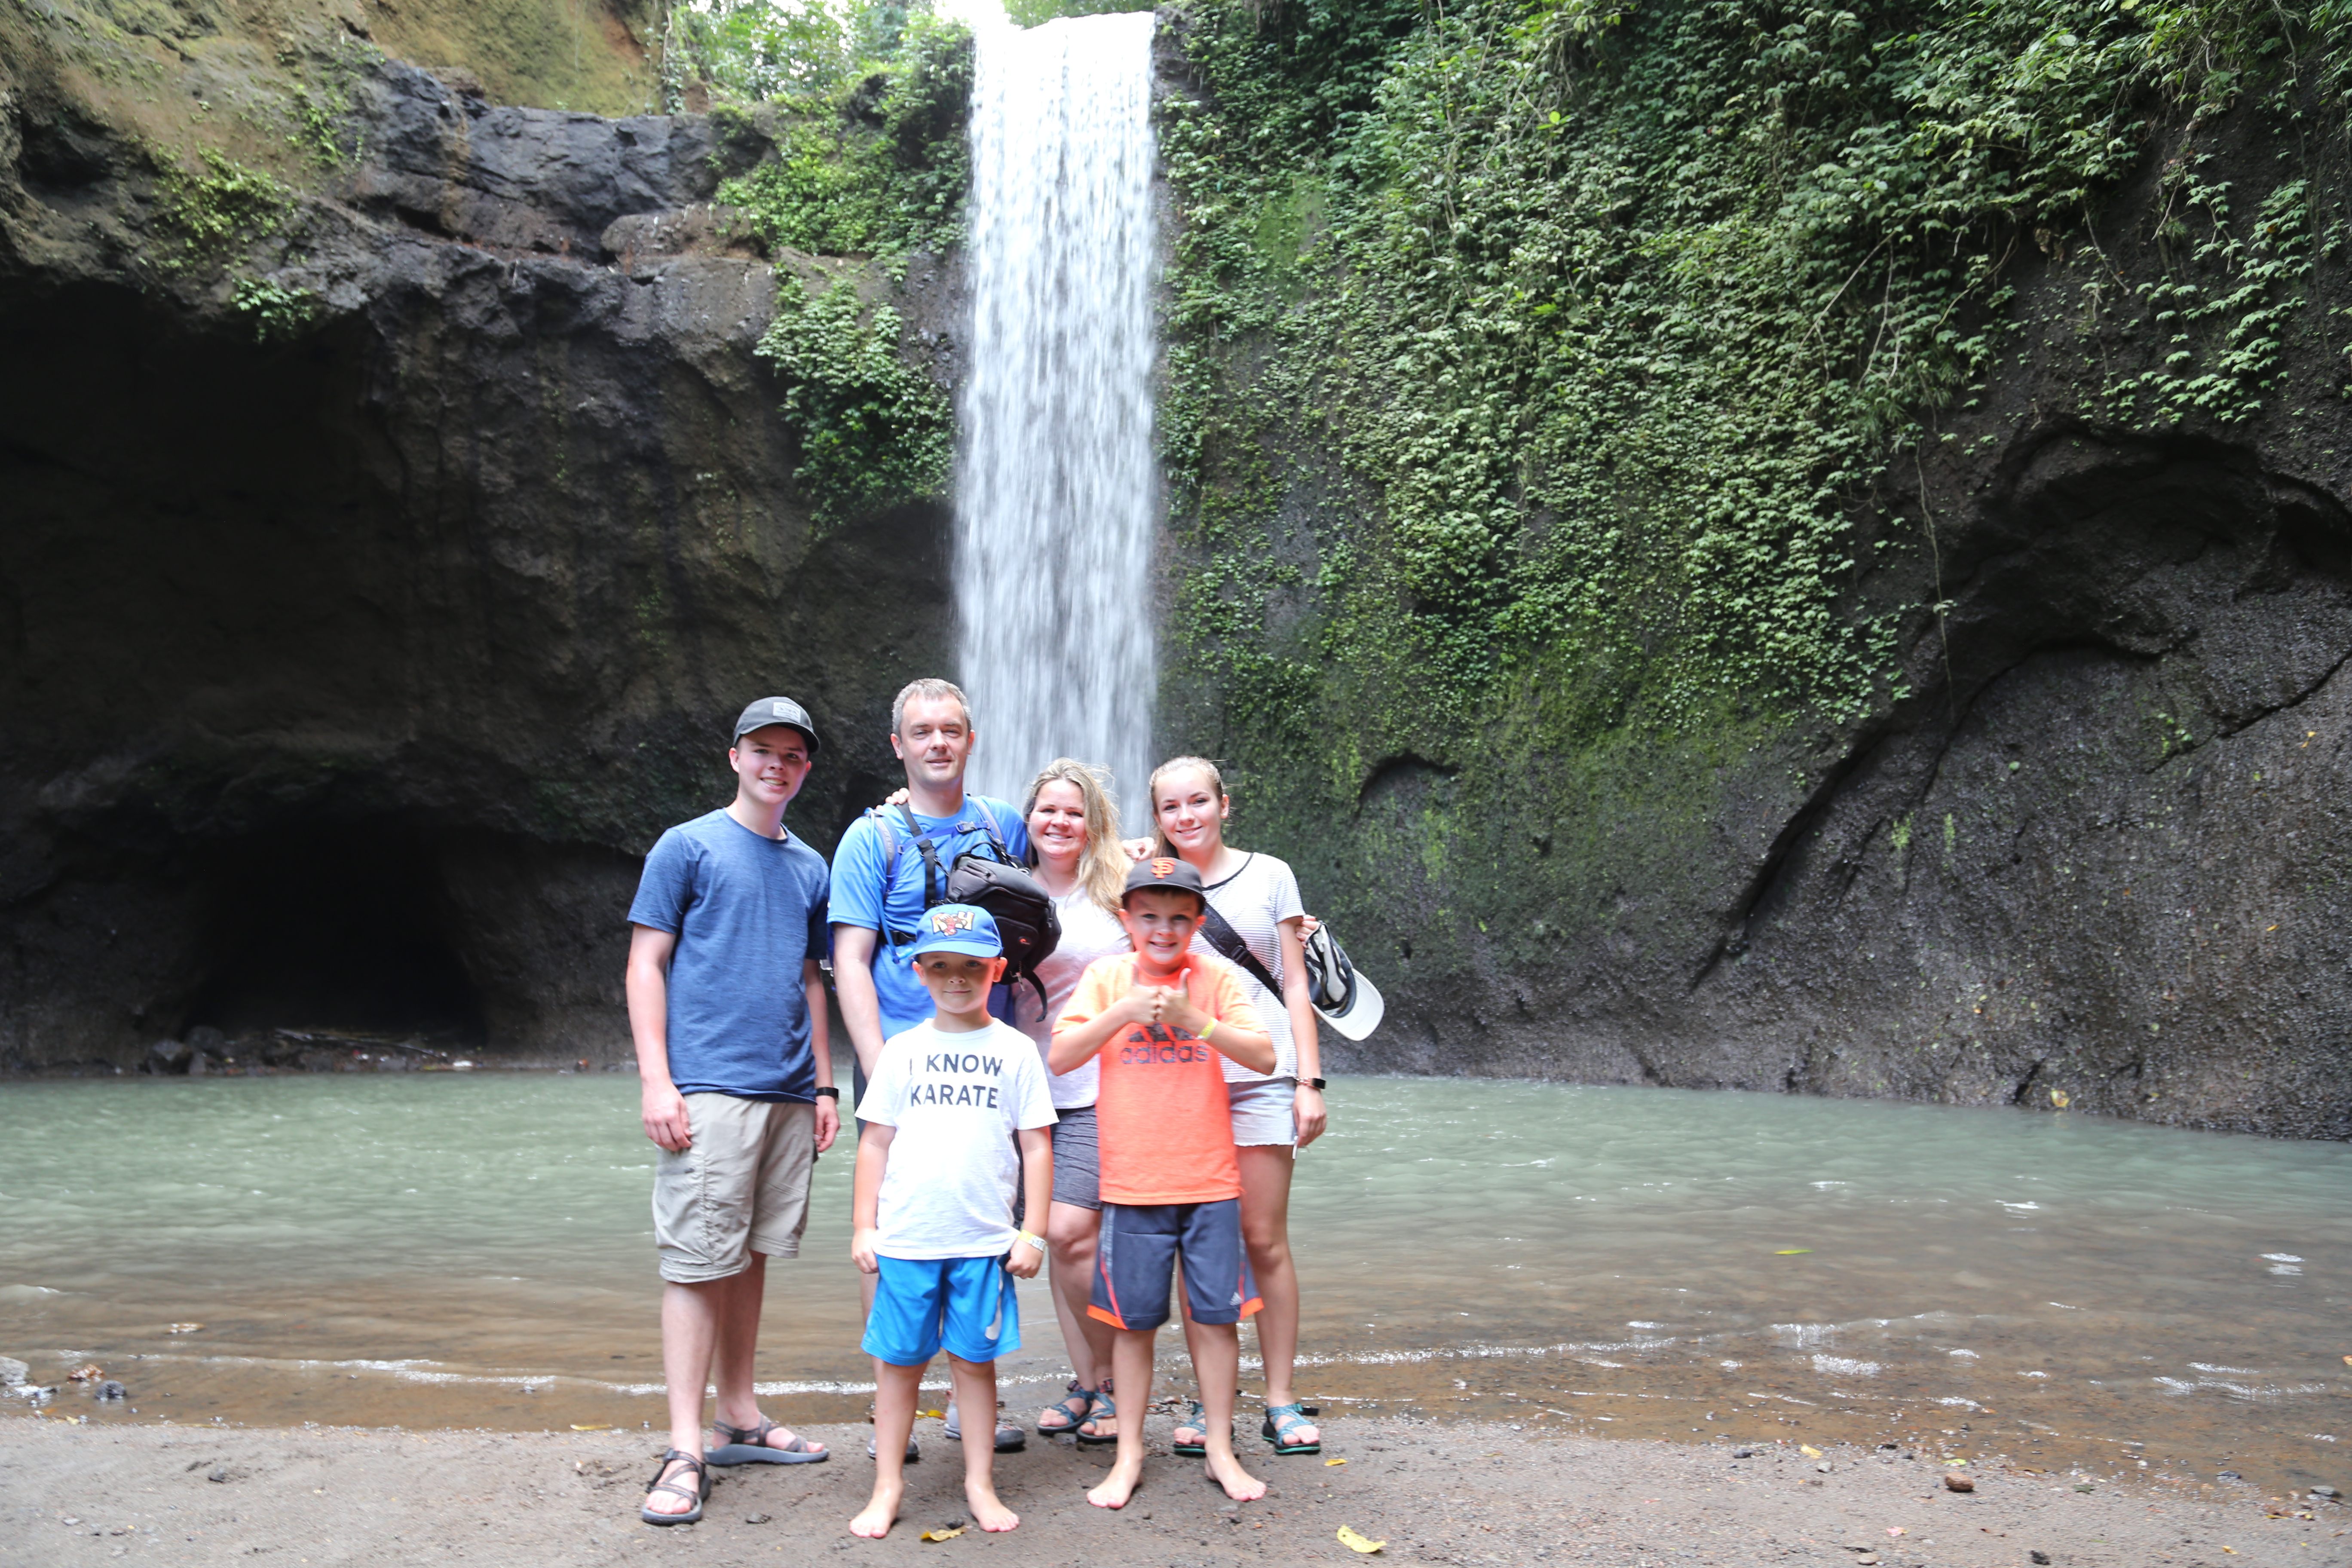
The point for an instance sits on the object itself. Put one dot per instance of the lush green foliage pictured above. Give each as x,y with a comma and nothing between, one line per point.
219,212
1030,13
752,50
871,431
852,114
876,166
277,314
1613,315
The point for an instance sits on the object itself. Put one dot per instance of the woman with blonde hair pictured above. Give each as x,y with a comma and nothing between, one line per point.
1075,854
1255,908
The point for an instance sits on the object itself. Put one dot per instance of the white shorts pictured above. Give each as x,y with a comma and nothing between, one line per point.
1265,1110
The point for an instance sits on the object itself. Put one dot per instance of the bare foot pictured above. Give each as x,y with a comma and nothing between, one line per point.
881,1512
1121,1484
986,1511
1239,1484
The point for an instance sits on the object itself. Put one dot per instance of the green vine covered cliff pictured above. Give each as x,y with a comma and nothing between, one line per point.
1578,416
1616,314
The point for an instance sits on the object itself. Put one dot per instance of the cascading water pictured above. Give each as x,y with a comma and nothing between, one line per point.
1056,490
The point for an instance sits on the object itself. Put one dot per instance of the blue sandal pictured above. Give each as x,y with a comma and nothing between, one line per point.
1104,1409
1281,1421
1199,1421
1076,1408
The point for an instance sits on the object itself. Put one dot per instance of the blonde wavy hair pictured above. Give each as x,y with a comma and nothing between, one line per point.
1152,792
1102,864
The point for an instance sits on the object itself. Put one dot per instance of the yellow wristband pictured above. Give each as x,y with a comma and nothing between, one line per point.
1034,1240
1206,1030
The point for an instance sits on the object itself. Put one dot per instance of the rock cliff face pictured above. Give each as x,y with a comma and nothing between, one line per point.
2100,856
352,654
350,667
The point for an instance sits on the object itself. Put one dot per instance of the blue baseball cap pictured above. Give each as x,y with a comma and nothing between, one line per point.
958,928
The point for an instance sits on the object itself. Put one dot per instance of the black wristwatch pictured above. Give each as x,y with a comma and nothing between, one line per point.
1313,1083
829,1090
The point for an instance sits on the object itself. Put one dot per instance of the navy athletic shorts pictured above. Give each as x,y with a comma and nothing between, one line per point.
1141,1246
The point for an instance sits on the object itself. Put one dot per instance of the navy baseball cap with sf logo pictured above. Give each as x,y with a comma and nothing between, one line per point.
1164,872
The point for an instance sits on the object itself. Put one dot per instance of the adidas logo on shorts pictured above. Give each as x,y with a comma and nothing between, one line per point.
1237,1297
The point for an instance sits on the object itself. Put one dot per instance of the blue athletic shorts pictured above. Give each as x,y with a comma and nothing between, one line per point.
923,1305
1138,1247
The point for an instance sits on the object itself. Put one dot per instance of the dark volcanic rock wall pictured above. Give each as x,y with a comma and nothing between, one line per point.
2101,858
347,676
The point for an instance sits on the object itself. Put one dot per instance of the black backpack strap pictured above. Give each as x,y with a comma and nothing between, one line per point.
890,847
1229,943
933,875
996,839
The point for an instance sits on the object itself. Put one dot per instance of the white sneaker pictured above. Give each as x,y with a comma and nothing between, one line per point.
1010,1439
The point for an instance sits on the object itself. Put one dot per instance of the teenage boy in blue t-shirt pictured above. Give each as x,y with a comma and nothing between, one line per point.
727,1005
878,898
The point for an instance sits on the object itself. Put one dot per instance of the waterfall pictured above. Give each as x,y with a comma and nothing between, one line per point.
1056,490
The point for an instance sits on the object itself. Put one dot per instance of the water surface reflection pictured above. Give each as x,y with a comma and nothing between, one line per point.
474,1250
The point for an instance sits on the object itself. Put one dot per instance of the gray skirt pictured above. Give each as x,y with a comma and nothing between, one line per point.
1077,1161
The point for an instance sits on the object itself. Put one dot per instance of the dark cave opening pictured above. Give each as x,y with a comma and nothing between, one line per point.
342,929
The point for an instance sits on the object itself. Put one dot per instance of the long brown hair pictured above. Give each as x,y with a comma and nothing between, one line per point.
1102,864
1152,792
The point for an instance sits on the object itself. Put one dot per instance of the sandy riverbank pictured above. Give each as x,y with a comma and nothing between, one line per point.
1464,1493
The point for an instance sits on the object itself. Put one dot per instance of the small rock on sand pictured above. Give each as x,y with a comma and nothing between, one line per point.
11,1372
1955,1481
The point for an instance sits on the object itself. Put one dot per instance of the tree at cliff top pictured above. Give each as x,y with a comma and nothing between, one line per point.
1613,314
851,116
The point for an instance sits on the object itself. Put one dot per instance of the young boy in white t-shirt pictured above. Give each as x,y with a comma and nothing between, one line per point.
933,1213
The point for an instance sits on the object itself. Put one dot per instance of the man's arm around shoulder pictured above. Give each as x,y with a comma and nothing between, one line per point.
853,982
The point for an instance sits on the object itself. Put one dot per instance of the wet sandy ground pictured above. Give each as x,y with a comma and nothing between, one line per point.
1468,1493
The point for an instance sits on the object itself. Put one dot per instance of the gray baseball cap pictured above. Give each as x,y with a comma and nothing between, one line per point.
776,711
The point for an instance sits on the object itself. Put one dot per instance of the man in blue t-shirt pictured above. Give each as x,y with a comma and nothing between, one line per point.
878,896
878,883
727,1004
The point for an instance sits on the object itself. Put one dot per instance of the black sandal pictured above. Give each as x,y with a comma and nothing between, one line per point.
694,1516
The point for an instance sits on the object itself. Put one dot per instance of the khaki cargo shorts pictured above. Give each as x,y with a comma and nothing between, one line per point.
741,1188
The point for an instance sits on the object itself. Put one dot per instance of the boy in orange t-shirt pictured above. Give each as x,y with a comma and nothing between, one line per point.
1171,1184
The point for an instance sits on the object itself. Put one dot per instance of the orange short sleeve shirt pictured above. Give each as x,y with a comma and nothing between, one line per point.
1167,1134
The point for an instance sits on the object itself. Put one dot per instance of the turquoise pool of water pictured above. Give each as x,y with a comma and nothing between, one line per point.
476,1250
